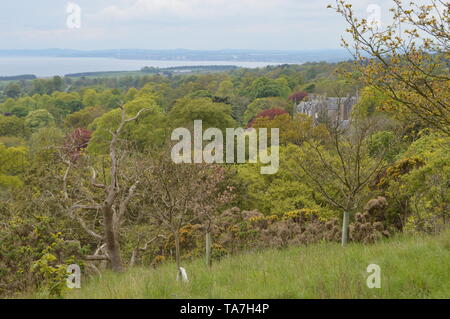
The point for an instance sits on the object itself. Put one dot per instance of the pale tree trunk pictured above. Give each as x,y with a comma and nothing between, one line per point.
133,258
208,248
345,228
177,251
112,240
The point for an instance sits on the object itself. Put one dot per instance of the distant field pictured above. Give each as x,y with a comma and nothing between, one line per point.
411,267
153,71
107,74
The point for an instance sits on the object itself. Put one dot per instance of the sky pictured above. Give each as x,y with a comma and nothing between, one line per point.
171,24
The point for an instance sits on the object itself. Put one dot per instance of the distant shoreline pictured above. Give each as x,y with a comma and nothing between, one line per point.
44,67
51,62
272,56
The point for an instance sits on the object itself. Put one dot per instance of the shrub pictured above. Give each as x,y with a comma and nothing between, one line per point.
366,231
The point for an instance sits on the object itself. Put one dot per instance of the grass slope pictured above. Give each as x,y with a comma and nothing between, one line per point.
411,267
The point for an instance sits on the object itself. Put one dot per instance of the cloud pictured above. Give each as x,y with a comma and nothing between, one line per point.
206,9
146,8
262,24
59,34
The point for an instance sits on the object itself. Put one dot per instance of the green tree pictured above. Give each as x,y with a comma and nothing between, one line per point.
186,110
58,83
428,184
385,140
45,138
265,87
148,131
280,193
38,87
226,89
84,117
13,90
12,126
19,111
90,97
416,185
67,102
200,94
39,118
12,162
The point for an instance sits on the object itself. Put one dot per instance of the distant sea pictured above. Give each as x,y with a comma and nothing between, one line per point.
50,66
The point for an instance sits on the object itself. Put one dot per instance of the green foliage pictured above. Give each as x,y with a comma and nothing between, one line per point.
371,101
46,138
12,126
90,98
226,89
47,86
12,141
384,140
31,254
53,276
333,86
19,111
148,131
293,130
186,110
84,117
266,87
38,119
425,186
429,193
12,162
282,192
66,103
416,186
200,94
13,90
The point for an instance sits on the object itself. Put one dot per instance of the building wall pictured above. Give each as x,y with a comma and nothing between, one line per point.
337,109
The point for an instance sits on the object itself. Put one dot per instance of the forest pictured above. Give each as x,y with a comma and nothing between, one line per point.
86,176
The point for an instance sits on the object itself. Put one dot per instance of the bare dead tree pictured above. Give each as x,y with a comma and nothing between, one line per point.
111,198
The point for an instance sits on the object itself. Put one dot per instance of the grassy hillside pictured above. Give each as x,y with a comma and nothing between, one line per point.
411,267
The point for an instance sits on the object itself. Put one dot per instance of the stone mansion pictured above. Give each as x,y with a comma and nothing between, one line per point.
336,109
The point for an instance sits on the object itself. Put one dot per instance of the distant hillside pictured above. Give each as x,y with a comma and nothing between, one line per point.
280,56
18,77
